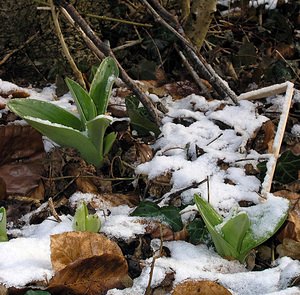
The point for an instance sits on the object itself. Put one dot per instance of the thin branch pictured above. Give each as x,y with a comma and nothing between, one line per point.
64,46
193,73
162,16
12,52
118,20
105,49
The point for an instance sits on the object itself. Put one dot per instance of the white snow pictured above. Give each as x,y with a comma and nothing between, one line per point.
191,154
198,262
296,130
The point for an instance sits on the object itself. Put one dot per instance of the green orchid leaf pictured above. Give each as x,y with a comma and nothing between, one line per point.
3,233
212,219
45,111
171,215
102,84
83,221
84,103
146,209
66,136
252,238
210,214
96,131
234,230
109,140
92,223
79,221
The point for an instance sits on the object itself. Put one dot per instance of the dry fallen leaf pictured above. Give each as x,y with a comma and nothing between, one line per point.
93,275
289,248
200,288
292,228
71,246
21,154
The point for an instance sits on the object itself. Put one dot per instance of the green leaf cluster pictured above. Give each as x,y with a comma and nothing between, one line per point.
88,133
169,214
233,236
83,221
3,234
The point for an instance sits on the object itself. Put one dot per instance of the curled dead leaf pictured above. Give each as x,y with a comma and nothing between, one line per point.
21,152
200,288
158,230
289,248
71,246
114,200
92,275
292,228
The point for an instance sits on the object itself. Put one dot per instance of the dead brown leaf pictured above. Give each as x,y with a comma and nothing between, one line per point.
92,275
289,248
71,246
114,200
158,230
200,288
21,154
292,227
16,93
263,138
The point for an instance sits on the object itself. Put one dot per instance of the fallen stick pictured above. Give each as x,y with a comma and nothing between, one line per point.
288,88
106,50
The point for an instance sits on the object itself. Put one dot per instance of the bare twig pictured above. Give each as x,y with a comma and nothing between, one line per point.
64,46
118,20
52,210
180,191
12,52
162,16
195,76
105,49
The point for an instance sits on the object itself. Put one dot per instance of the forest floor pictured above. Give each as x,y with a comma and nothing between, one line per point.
152,239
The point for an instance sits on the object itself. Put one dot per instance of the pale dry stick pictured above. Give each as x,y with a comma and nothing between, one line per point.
53,211
200,64
64,46
288,88
148,289
118,20
87,41
263,92
106,50
126,45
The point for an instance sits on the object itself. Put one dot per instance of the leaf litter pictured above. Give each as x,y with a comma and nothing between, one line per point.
191,125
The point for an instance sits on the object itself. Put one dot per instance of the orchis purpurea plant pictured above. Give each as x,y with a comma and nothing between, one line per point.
234,236
83,221
87,134
3,234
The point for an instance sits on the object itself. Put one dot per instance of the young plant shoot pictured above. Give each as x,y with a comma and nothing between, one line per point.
83,221
87,134
234,236
3,234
